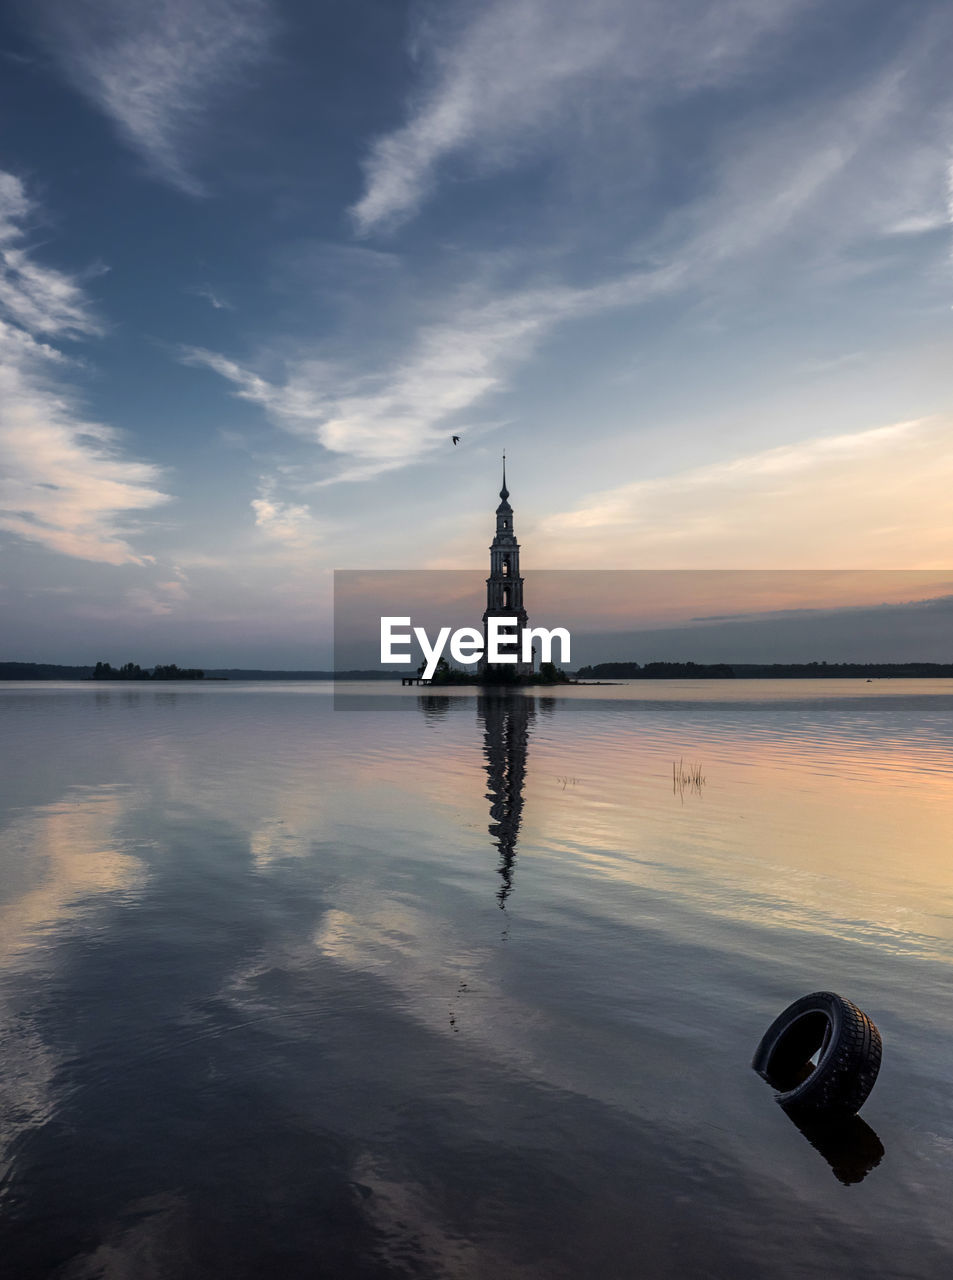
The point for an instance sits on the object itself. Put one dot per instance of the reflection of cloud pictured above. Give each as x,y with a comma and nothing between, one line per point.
376,938
281,807
414,950
400,1208
56,861
274,840
149,1238
26,1094
777,775
57,856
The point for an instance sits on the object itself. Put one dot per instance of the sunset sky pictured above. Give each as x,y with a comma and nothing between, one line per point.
688,262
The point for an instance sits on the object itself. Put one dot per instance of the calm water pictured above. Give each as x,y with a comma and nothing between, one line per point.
447,986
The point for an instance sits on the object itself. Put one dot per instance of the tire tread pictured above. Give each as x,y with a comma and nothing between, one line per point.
847,1071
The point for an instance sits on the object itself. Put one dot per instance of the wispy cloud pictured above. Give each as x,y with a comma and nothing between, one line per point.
155,68
158,601
807,192
293,525
40,299
384,420
64,482
769,190
511,73
868,499
827,364
215,300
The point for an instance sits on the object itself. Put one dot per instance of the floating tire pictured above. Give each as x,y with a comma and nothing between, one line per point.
822,1055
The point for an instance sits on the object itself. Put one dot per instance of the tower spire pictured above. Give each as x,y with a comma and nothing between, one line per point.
504,586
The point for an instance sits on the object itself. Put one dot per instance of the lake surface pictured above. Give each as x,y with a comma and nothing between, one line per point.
398,984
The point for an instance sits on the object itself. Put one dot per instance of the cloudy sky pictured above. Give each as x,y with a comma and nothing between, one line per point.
689,261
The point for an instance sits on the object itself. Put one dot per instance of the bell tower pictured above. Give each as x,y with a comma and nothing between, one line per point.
504,586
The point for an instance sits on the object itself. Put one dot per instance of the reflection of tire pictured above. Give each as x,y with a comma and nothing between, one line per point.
847,1143
845,1043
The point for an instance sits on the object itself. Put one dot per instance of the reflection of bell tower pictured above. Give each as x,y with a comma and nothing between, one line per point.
504,586
507,719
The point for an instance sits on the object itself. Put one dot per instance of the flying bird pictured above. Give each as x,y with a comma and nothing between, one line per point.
455,439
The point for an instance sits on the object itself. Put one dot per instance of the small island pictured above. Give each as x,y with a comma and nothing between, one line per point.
444,674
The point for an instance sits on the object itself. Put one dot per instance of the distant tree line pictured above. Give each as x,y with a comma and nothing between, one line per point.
844,670
132,671
601,671
54,671
656,671
42,671
764,670
254,673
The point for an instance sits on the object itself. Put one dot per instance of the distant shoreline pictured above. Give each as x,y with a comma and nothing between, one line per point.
767,671
602,672
53,671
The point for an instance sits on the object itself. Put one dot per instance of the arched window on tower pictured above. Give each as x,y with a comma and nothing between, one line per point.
506,566
506,597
